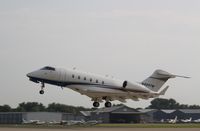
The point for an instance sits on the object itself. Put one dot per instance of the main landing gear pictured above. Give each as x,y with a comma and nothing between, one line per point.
96,104
42,88
107,104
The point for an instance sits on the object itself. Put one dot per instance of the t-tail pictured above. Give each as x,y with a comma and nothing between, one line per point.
158,79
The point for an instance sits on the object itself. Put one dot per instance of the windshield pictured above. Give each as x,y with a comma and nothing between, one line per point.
48,68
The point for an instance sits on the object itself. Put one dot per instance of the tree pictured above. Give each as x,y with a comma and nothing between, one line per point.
56,107
30,107
5,108
160,103
172,104
194,107
183,106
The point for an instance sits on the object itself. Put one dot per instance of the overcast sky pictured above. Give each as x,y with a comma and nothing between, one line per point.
127,39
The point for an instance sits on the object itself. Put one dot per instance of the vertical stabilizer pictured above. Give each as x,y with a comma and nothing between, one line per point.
158,79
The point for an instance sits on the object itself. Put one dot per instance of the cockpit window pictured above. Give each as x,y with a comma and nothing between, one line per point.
48,68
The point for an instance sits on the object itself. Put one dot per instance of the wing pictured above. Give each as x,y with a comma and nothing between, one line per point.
99,94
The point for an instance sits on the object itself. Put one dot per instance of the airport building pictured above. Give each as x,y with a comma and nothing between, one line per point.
159,115
115,114
10,117
186,114
19,117
148,115
124,114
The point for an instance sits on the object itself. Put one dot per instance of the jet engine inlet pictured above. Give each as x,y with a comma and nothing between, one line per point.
125,84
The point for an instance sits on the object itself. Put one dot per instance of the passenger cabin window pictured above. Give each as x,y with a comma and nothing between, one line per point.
96,81
90,79
48,68
84,78
73,76
102,82
79,77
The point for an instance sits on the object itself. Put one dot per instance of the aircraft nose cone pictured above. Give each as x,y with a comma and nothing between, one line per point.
28,75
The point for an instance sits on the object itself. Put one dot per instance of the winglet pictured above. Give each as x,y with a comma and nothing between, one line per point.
163,91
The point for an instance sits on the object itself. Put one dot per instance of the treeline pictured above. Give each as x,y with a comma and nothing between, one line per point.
157,103
36,107
160,103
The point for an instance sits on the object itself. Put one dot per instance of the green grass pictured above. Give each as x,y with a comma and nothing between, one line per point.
107,126
150,125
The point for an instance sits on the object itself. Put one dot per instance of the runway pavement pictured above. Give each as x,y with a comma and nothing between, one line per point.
101,129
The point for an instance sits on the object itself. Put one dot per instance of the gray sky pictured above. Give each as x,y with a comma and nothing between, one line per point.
128,39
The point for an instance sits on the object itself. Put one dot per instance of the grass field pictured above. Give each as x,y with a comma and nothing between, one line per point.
108,126
151,125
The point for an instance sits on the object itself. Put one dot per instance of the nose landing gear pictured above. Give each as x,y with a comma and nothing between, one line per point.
42,88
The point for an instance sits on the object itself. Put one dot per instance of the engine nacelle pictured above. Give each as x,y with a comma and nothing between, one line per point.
134,87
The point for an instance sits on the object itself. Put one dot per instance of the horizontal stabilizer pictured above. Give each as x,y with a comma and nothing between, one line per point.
182,76
164,73
163,91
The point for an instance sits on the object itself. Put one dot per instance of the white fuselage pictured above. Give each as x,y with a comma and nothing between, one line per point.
66,78
99,87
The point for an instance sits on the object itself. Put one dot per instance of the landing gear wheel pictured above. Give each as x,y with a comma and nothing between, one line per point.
42,87
108,104
41,92
96,104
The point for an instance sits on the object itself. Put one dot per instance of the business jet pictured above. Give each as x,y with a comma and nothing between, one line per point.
173,121
186,120
76,122
197,121
29,122
102,88
37,122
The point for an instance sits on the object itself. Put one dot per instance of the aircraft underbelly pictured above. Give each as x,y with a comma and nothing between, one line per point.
101,92
97,90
